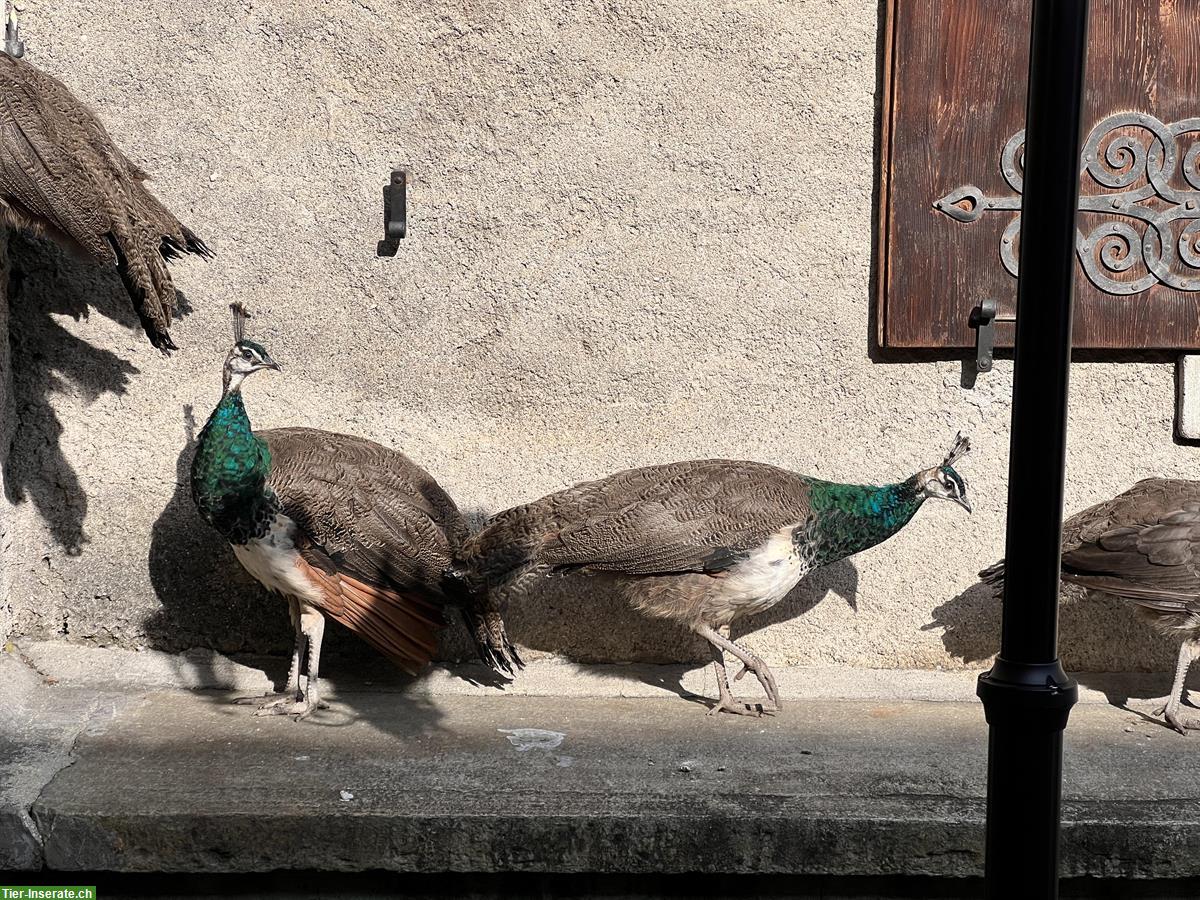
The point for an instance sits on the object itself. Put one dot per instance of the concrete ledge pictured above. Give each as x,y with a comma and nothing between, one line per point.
189,783
107,669
411,781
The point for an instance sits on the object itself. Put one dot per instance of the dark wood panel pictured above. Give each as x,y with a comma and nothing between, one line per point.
955,95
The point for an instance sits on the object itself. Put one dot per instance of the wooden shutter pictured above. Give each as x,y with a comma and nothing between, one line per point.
954,99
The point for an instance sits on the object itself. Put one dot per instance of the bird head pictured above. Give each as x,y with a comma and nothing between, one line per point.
247,356
942,481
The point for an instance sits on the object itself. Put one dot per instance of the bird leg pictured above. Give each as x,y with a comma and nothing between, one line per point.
751,662
291,692
1187,653
316,631
304,703
728,702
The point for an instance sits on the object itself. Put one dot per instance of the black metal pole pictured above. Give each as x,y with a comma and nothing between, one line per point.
1026,696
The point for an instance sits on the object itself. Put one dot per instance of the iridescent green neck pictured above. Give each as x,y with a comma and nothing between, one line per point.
229,472
848,518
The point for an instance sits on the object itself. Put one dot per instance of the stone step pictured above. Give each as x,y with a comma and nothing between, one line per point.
185,781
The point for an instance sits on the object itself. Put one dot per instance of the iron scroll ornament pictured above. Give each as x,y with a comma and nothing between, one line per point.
1135,174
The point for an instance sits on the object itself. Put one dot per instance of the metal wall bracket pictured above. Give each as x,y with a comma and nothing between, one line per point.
983,319
1187,397
395,213
13,45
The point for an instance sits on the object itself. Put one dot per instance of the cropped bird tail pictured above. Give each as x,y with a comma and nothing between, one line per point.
151,291
491,640
993,574
484,622
176,246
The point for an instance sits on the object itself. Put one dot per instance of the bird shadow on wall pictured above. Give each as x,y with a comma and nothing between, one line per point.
839,578
47,359
206,598
587,621
1101,640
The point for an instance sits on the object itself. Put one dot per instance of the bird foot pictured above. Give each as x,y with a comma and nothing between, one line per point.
737,707
765,678
289,703
1180,723
271,699
290,706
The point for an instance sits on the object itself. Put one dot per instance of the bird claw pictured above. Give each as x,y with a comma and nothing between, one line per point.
765,678
737,707
289,703
297,709
271,699
1179,723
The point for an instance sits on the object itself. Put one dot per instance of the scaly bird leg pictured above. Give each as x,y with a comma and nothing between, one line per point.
1187,653
728,702
749,660
291,691
312,625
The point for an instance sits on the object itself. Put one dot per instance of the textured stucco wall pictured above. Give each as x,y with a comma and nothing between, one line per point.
639,232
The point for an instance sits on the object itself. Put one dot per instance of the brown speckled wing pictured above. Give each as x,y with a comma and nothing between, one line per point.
370,512
1143,544
61,173
1143,504
699,516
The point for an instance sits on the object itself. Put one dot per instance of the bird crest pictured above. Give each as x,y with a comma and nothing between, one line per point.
240,315
962,446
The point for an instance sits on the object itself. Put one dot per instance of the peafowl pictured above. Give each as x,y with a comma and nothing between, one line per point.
62,175
1142,546
702,543
339,525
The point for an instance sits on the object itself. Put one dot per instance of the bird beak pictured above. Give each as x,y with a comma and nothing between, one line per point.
271,364
964,503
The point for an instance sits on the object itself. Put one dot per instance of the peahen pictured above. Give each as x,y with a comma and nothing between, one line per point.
62,175
339,525
1142,546
702,543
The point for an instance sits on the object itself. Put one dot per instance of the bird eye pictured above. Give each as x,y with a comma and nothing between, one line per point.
245,353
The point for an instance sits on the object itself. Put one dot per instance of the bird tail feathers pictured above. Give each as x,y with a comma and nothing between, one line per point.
401,626
484,620
492,643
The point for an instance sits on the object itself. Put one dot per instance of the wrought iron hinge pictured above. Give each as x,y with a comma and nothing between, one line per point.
1143,178
395,213
983,319
13,45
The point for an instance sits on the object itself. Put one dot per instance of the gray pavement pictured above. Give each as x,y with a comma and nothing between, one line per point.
100,772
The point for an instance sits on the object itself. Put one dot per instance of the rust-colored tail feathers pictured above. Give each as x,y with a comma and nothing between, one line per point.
401,626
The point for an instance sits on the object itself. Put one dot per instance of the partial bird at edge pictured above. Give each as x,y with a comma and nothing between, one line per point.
61,175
